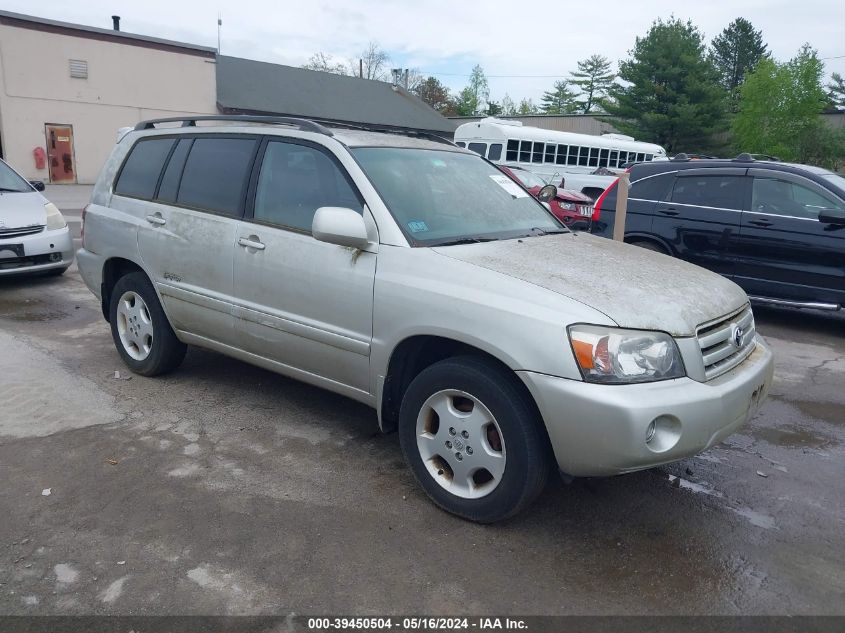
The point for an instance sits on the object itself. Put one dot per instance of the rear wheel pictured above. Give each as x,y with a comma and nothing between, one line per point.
141,332
473,439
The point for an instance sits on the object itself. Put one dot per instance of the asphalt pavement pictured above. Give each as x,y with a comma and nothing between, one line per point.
226,489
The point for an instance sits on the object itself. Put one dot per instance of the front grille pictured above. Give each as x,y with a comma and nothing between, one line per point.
21,231
721,348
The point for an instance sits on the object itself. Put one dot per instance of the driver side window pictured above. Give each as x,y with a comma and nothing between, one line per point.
781,197
296,180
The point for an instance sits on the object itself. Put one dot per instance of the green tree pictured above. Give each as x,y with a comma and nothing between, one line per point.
779,111
433,93
527,106
493,108
594,78
672,96
559,100
735,52
836,90
473,98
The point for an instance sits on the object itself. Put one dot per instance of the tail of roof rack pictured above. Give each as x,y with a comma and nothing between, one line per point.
304,125
745,157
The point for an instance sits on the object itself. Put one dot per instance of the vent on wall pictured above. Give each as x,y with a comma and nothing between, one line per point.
78,68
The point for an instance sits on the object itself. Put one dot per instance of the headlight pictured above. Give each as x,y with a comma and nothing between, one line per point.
617,356
569,206
55,220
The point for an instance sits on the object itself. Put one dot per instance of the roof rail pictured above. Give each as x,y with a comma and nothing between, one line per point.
190,121
387,130
745,157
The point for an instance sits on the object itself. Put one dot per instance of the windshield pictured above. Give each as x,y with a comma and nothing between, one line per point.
439,197
528,179
10,181
837,180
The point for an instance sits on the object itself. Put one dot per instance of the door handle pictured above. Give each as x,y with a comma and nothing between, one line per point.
251,242
156,219
760,222
669,211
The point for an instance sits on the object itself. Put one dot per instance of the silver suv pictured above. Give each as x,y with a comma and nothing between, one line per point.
412,275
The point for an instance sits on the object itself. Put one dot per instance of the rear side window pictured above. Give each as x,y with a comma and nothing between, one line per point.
478,148
655,188
723,192
216,173
143,166
495,151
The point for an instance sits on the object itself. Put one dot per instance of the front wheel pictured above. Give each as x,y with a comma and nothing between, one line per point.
140,329
474,439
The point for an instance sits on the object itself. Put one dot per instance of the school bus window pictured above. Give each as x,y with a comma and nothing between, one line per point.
525,152
513,150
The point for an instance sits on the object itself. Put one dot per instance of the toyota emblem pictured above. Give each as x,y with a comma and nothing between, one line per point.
737,336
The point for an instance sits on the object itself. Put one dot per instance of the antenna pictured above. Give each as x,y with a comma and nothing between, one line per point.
219,28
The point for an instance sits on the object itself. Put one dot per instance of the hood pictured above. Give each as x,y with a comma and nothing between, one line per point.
570,195
18,210
634,287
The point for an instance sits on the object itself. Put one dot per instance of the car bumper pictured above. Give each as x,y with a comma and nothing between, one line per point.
90,267
599,430
47,250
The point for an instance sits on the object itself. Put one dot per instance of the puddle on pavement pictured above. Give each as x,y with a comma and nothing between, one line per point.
792,437
757,519
28,310
830,412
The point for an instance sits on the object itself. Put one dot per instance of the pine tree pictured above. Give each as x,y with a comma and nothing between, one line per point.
735,52
559,100
526,106
672,96
594,78
836,89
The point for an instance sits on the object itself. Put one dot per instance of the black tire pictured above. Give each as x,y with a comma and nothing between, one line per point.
166,351
528,453
649,246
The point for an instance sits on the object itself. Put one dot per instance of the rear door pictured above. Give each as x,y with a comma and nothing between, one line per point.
784,251
303,303
700,218
187,233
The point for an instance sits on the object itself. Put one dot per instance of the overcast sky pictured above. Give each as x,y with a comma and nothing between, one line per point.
446,38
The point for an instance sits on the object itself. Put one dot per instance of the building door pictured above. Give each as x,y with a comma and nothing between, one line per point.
60,160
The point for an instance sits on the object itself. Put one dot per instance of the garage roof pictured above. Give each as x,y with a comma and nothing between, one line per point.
246,86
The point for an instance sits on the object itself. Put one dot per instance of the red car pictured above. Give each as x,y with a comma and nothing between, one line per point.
572,208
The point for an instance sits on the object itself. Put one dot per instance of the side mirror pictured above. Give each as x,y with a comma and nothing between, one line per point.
832,216
37,185
341,226
547,193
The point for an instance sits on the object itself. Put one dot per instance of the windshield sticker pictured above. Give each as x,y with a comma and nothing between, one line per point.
417,226
510,186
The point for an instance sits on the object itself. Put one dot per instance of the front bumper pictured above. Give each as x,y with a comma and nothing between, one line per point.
599,430
47,250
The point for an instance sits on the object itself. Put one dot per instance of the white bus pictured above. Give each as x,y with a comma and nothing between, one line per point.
557,157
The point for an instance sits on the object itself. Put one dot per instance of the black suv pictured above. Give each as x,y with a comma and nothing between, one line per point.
776,229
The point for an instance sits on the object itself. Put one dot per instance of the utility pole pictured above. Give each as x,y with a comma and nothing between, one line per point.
361,68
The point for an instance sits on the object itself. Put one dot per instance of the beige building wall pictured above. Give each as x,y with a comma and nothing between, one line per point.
126,83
